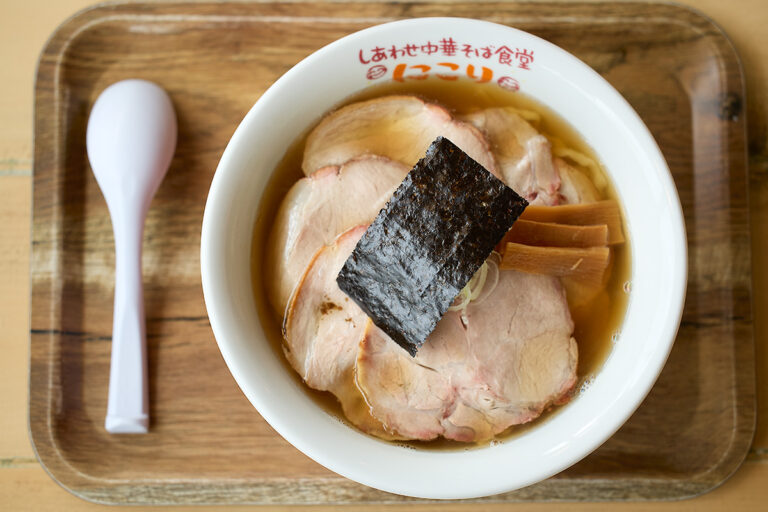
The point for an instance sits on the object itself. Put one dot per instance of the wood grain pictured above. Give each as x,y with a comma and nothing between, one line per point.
31,488
207,444
16,192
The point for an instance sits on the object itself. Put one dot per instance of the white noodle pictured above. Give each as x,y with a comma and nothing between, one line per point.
529,115
585,162
576,157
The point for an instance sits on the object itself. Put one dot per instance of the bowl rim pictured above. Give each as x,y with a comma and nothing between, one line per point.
594,437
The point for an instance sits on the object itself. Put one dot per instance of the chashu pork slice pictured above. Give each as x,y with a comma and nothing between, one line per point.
525,160
524,155
317,209
510,357
575,186
398,127
323,328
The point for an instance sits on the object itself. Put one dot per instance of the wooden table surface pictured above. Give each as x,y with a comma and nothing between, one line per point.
24,485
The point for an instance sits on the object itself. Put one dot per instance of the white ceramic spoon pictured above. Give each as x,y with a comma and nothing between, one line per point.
131,139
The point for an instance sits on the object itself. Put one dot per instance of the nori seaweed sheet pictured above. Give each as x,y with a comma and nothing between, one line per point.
435,232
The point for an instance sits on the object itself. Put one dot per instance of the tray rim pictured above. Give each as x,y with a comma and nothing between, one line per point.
57,466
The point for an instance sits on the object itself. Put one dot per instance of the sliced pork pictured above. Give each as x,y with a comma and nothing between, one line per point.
320,207
397,127
323,328
501,362
523,155
575,186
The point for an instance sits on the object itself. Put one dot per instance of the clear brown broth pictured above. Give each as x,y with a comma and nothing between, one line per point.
596,321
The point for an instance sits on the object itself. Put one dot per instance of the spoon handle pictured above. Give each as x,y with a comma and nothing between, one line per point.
128,402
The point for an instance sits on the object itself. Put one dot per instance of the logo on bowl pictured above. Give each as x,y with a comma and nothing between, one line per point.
383,62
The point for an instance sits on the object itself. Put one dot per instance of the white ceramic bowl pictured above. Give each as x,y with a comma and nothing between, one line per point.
556,79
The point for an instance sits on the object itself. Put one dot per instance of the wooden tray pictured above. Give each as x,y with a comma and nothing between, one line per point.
207,444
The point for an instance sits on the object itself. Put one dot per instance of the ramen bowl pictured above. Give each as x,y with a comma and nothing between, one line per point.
495,56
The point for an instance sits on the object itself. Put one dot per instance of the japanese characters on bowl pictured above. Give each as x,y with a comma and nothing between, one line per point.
448,58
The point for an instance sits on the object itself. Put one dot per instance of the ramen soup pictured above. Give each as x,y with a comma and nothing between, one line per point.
524,335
